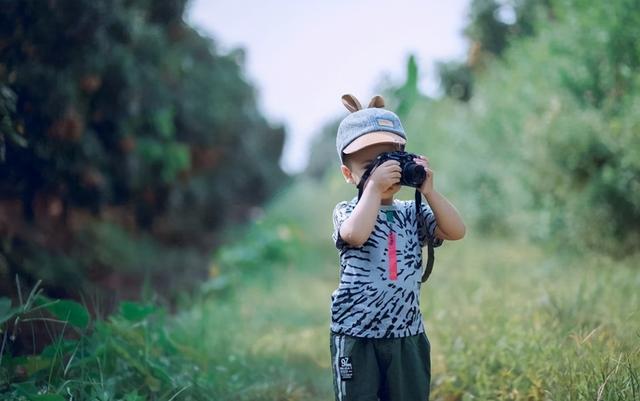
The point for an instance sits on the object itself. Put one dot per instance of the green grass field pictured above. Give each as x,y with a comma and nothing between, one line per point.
507,319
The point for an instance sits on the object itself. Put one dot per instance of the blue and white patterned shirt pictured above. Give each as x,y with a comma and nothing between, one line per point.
379,294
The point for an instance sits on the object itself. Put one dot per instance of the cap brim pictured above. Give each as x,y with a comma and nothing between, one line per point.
373,138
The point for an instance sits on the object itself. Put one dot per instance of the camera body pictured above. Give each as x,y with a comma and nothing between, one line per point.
413,174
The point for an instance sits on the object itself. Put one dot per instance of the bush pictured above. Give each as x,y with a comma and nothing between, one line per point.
548,145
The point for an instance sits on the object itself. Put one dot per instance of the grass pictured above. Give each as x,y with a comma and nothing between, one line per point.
507,320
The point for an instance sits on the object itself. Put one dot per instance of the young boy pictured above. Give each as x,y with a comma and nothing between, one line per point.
379,347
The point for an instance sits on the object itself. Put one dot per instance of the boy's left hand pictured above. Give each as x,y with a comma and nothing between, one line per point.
427,185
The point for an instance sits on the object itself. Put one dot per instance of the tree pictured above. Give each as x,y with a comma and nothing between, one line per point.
118,111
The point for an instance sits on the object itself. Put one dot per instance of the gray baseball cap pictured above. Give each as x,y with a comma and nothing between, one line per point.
366,127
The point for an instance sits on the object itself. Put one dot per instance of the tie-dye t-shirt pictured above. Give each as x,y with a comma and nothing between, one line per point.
379,291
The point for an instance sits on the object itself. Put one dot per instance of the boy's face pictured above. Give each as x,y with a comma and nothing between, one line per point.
356,164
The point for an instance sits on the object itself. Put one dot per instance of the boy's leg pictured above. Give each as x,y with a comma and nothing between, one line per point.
355,369
406,368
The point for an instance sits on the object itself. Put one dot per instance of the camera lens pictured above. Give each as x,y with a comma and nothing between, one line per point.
413,174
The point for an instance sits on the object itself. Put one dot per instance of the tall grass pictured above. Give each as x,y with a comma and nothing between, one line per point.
507,320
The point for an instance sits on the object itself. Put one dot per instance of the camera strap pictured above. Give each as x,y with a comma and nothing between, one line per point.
428,268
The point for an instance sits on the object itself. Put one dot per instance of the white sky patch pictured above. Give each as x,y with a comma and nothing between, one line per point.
302,56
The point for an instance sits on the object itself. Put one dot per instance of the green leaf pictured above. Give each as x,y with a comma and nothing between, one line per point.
25,388
150,150
67,310
63,347
163,122
6,311
134,312
5,305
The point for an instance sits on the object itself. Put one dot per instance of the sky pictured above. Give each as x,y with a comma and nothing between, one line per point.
302,56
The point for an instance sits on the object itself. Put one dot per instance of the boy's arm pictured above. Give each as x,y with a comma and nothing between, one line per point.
357,228
449,225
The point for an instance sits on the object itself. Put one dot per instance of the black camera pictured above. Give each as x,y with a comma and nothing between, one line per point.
413,174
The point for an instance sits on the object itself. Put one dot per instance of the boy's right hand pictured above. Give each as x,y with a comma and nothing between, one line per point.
385,176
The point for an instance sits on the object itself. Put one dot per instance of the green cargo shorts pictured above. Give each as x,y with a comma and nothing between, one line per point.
385,369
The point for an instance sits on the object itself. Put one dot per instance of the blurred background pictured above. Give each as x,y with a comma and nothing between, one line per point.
168,173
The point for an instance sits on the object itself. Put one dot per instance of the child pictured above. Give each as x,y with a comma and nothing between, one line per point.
379,347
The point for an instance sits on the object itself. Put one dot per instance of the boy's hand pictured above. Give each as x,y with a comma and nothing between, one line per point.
427,185
385,176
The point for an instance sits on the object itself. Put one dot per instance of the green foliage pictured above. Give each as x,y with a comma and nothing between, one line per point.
66,311
492,27
576,125
264,244
548,145
136,312
456,79
494,24
598,51
408,93
122,110
106,259
486,26
6,312
262,248
130,356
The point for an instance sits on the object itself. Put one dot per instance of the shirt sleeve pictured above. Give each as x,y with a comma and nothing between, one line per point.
340,213
427,227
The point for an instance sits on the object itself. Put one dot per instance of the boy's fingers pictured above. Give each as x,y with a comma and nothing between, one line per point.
391,163
390,168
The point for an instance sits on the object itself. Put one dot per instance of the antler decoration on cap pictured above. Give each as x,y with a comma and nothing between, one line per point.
376,101
351,103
